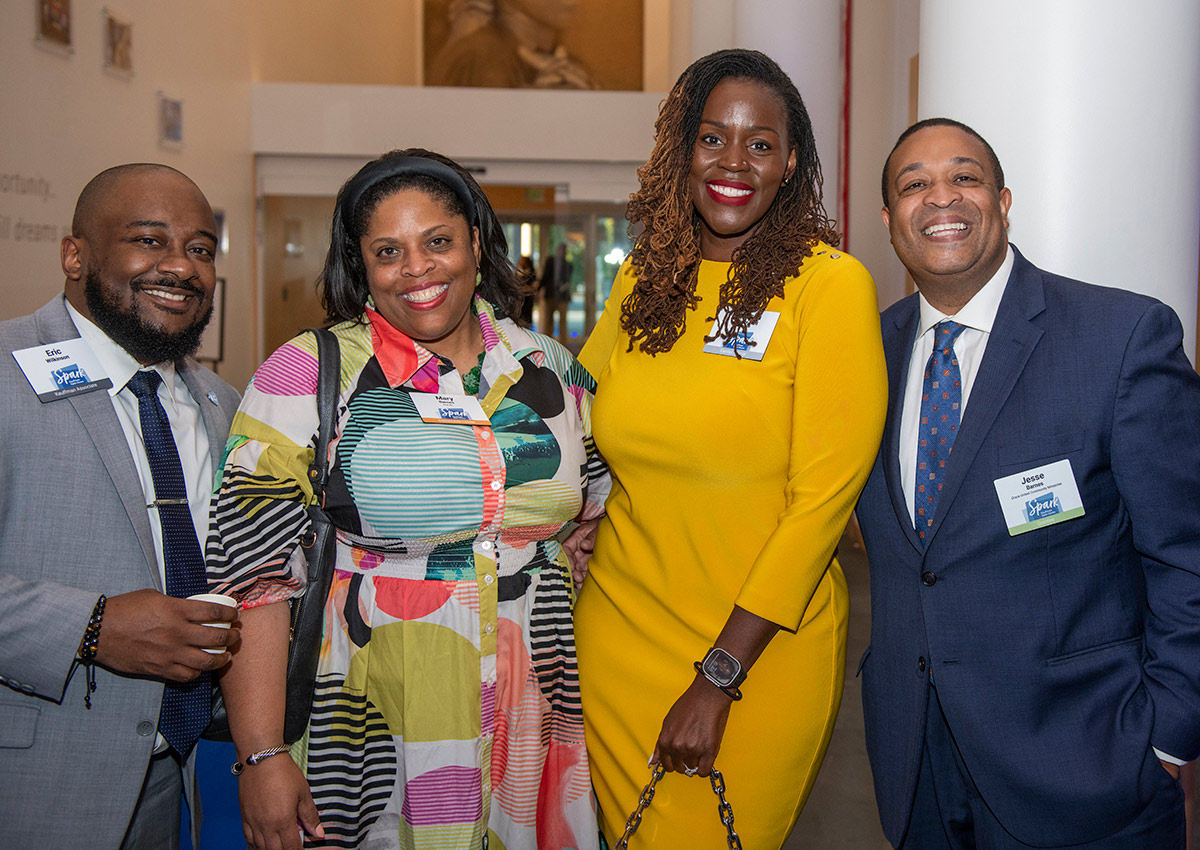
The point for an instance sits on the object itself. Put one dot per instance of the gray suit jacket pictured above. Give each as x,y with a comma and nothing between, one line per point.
73,524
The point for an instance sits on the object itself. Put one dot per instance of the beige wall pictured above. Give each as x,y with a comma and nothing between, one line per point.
378,42
65,119
885,39
364,42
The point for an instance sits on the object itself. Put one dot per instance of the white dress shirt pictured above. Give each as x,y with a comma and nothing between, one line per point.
977,315
187,427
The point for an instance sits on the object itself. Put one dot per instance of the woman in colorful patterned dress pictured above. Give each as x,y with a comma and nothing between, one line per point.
740,406
447,703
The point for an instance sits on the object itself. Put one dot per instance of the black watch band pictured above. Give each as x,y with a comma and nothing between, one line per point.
723,670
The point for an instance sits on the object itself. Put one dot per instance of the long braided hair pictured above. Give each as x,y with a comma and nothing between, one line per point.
666,253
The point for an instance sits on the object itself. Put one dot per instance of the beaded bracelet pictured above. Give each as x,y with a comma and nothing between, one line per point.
87,649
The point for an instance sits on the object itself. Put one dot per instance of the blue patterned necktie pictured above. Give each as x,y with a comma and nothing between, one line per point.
941,400
186,705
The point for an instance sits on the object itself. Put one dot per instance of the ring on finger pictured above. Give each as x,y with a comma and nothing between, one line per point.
690,771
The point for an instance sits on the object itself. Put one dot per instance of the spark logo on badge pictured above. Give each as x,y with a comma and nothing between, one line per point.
62,369
69,376
1041,507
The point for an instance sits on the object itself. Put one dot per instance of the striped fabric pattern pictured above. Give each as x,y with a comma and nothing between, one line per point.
447,711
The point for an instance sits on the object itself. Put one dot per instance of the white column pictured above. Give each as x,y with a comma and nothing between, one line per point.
1093,107
804,37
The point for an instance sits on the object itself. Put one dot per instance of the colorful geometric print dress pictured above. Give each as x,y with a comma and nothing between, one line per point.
447,709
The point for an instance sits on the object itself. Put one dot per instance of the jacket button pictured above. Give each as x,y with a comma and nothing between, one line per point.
928,579
921,664
145,728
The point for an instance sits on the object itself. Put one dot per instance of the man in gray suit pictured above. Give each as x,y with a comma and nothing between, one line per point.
89,641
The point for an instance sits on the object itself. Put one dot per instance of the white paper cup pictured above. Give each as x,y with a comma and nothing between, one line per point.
220,599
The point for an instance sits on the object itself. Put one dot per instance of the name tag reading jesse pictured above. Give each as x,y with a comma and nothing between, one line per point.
751,345
1039,497
450,409
61,369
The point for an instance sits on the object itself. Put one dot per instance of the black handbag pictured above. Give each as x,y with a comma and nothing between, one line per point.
318,543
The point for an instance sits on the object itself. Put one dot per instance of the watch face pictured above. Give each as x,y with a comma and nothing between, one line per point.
721,667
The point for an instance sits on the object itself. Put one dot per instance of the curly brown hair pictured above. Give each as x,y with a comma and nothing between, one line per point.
666,253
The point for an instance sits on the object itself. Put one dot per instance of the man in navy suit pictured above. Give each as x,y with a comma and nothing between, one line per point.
1033,528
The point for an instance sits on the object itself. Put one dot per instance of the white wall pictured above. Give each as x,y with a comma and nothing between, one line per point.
66,119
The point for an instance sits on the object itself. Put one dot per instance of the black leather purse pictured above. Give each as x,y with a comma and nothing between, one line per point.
318,544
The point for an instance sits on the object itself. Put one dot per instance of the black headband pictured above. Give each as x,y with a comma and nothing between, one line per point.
382,169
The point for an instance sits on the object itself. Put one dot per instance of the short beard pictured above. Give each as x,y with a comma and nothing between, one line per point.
129,329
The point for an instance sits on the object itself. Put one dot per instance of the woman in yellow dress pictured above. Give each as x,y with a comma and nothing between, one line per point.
740,407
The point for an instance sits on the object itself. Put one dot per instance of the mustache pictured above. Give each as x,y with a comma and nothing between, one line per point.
167,283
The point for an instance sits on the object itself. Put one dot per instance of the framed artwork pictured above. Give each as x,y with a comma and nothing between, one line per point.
212,343
556,44
170,122
54,25
118,43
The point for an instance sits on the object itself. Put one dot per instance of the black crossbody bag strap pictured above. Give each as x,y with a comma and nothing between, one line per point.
318,546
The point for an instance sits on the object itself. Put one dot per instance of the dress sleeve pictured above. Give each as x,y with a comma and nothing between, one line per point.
259,512
581,386
838,409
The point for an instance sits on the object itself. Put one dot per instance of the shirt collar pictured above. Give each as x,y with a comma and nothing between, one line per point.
404,360
978,313
115,360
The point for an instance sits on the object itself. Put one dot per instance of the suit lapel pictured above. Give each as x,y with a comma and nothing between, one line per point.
1010,344
897,349
99,420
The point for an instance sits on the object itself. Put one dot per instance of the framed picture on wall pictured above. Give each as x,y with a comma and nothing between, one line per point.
170,122
212,343
54,25
554,44
118,43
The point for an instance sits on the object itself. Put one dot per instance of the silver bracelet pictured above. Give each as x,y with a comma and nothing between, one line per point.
255,758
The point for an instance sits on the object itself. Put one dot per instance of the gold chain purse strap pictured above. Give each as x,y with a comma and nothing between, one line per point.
724,810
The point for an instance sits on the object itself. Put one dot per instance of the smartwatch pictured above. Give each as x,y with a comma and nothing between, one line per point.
723,670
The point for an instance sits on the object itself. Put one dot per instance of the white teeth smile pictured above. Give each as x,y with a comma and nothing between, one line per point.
729,191
943,228
169,296
421,296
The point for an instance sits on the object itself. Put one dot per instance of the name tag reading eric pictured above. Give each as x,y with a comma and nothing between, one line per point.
450,409
751,345
1039,497
62,369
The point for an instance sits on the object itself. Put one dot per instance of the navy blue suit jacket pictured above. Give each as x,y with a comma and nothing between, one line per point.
1064,654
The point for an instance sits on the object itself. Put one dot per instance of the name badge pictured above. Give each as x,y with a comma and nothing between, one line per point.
450,409
62,369
1039,497
751,345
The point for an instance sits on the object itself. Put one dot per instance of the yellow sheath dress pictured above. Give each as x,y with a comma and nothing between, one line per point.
732,483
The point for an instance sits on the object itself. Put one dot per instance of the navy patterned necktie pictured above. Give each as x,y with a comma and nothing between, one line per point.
186,706
941,403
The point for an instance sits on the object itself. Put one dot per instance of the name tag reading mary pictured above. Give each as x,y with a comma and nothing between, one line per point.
450,409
